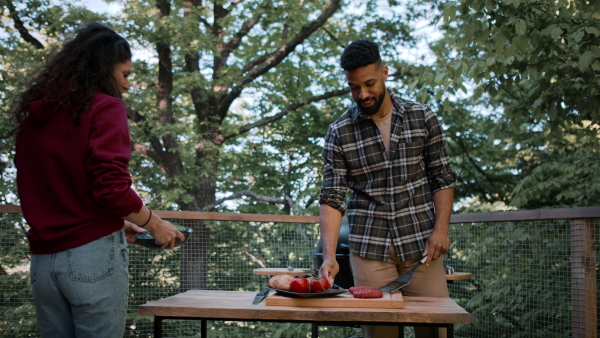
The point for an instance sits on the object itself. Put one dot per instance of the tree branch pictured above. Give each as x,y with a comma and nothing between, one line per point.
248,193
292,107
465,151
334,38
254,258
263,64
20,26
156,155
235,41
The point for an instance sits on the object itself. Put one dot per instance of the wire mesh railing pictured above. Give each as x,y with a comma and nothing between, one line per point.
530,278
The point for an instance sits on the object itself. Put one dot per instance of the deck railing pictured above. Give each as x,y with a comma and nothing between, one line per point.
534,273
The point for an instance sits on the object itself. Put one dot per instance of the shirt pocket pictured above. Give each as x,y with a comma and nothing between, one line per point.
408,165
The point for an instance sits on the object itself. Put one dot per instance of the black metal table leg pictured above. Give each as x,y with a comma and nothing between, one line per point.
315,330
158,327
203,332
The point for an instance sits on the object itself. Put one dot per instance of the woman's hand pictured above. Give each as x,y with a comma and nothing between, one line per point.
164,233
130,231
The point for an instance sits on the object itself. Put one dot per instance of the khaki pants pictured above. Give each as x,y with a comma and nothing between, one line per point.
429,281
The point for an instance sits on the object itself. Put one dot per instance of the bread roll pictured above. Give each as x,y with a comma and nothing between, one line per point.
280,282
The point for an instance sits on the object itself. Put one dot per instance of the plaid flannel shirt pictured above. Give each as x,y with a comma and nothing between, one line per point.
391,200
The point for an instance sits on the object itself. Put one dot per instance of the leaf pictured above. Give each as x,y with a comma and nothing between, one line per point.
424,95
439,77
547,30
521,26
449,14
578,36
592,30
556,33
447,106
537,103
584,60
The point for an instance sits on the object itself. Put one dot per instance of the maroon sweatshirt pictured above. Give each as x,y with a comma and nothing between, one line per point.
72,179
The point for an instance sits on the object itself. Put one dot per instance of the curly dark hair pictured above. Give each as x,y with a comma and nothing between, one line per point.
82,67
360,53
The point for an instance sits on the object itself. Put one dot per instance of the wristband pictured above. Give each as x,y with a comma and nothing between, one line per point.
148,221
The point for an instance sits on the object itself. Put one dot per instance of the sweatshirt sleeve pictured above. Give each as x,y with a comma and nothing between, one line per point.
109,153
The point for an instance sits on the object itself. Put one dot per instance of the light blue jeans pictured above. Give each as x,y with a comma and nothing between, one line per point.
82,292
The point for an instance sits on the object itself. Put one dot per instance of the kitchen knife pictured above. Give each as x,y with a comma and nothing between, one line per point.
262,294
403,280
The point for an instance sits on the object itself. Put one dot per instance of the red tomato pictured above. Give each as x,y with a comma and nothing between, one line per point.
320,285
299,285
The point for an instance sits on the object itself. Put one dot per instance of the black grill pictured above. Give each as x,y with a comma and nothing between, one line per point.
344,277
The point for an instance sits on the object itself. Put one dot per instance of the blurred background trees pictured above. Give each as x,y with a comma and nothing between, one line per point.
230,100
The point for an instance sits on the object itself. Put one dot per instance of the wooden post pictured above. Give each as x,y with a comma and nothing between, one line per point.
584,317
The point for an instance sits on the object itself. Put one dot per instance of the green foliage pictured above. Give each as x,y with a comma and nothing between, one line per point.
543,50
526,67
524,74
568,180
16,301
522,277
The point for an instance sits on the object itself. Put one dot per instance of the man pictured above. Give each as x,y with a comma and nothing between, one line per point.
391,153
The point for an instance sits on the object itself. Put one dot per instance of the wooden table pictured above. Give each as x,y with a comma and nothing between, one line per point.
237,305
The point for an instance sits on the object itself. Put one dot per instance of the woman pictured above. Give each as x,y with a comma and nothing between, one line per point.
72,153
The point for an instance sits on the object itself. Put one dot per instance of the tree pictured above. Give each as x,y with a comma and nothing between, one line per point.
534,67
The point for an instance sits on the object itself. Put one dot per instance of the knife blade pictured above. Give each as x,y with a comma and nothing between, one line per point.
260,295
403,280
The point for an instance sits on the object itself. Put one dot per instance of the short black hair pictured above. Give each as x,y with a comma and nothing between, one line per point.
360,53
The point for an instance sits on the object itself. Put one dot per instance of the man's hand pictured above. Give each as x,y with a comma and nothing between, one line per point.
437,244
330,221
329,269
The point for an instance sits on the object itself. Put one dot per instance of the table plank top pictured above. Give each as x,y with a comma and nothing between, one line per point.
237,305
458,276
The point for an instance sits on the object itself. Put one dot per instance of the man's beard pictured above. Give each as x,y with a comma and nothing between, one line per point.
374,108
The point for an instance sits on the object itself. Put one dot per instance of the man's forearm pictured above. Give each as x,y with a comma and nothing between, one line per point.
330,220
443,201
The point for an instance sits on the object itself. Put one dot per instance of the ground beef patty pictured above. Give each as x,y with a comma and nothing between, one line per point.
365,292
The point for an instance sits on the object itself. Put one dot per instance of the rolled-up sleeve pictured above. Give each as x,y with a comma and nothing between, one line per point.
333,191
439,173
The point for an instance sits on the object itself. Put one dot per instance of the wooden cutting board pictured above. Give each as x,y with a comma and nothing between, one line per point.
344,300
278,271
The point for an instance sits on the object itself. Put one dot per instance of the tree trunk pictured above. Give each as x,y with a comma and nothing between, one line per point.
194,267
